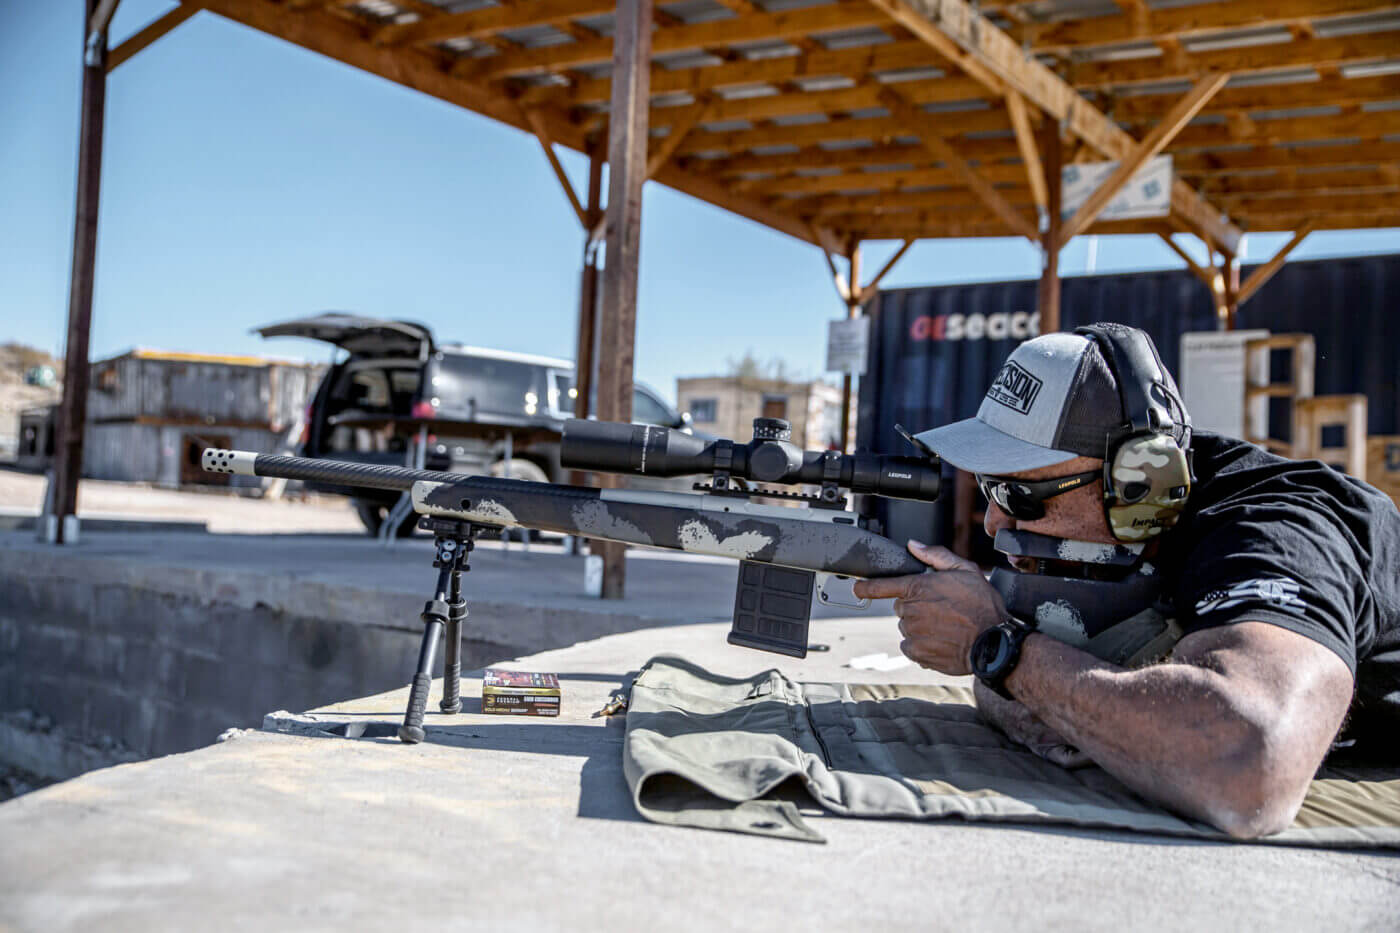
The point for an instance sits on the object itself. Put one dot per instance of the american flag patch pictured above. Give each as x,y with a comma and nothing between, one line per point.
1276,591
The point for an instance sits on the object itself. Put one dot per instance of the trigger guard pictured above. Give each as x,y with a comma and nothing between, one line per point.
838,590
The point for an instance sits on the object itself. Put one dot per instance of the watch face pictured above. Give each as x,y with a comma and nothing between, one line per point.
991,651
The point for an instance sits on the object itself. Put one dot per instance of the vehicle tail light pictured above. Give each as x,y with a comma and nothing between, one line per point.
423,409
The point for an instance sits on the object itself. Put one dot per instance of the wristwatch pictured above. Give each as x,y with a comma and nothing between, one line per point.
995,652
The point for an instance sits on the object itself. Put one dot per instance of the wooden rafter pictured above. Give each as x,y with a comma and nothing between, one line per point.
678,129
849,14
148,35
1191,263
1186,108
928,127
800,139
489,21
1030,152
1261,275
984,48
1142,23
868,290
541,130
1299,53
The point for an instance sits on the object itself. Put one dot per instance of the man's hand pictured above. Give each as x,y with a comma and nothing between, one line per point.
1023,727
940,614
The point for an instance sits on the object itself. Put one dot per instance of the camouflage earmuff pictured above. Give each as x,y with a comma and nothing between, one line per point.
1147,468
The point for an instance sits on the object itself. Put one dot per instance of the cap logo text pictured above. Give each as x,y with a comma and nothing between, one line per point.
1015,388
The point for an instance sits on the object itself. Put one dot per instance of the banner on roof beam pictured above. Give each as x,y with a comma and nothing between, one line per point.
1148,194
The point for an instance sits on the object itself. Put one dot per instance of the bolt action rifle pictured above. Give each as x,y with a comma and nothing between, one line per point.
784,553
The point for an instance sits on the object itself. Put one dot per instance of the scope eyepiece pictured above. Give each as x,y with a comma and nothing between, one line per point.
649,450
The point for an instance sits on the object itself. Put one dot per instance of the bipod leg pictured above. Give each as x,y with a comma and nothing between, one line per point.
453,545
452,657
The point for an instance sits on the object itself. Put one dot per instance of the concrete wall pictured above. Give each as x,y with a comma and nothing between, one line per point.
94,674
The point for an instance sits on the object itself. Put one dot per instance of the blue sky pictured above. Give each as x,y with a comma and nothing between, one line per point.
246,180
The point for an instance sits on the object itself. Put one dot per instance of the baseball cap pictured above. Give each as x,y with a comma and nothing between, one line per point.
1054,399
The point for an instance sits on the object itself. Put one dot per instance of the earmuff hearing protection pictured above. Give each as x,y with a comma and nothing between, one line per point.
1146,470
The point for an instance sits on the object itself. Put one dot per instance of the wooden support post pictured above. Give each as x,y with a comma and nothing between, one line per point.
1174,122
1231,288
588,288
627,161
1048,295
1260,276
852,310
72,410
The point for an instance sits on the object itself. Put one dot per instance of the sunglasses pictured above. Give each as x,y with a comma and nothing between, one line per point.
1024,500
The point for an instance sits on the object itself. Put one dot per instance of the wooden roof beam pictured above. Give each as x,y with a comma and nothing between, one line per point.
989,50
849,14
1299,53
890,56
1334,91
929,130
1261,275
1186,108
489,21
1141,22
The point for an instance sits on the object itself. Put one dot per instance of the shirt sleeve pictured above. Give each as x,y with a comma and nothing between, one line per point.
1291,567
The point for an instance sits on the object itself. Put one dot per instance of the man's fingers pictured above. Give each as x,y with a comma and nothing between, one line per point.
881,587
938,557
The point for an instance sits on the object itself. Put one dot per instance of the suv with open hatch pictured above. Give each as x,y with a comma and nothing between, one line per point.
479,410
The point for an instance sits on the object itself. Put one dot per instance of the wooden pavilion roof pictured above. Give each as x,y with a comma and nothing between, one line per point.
841,120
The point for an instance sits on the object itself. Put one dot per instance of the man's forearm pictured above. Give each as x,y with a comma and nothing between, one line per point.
1176,733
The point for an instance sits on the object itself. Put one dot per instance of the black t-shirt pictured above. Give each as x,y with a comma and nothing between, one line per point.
1303,546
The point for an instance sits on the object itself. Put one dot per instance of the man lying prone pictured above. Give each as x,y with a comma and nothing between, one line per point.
1189,612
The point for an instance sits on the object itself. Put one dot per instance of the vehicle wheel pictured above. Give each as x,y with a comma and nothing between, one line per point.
526,470
372,516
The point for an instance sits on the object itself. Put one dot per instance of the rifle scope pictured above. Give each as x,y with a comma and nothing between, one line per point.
770,457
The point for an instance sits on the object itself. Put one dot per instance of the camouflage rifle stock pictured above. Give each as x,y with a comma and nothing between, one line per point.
784,553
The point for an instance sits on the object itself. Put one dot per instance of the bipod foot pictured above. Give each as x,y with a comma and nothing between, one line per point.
445,610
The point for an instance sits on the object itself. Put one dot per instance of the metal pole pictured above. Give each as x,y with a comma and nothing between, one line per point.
72,411
1048,295
627,161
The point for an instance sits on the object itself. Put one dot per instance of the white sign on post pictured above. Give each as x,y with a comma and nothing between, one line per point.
1147,194
1212,379
846,342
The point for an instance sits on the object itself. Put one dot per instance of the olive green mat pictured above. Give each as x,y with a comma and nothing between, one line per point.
709,751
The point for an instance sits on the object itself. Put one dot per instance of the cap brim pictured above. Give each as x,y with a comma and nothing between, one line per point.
977,447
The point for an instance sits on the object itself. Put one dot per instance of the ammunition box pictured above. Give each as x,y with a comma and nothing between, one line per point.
521,693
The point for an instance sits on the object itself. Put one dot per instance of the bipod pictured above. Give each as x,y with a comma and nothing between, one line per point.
453,542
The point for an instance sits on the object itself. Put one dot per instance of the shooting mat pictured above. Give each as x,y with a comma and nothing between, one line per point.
722,753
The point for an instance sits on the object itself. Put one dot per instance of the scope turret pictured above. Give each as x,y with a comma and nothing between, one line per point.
649,450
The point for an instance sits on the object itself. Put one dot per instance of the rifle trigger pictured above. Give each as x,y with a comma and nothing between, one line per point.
835,589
